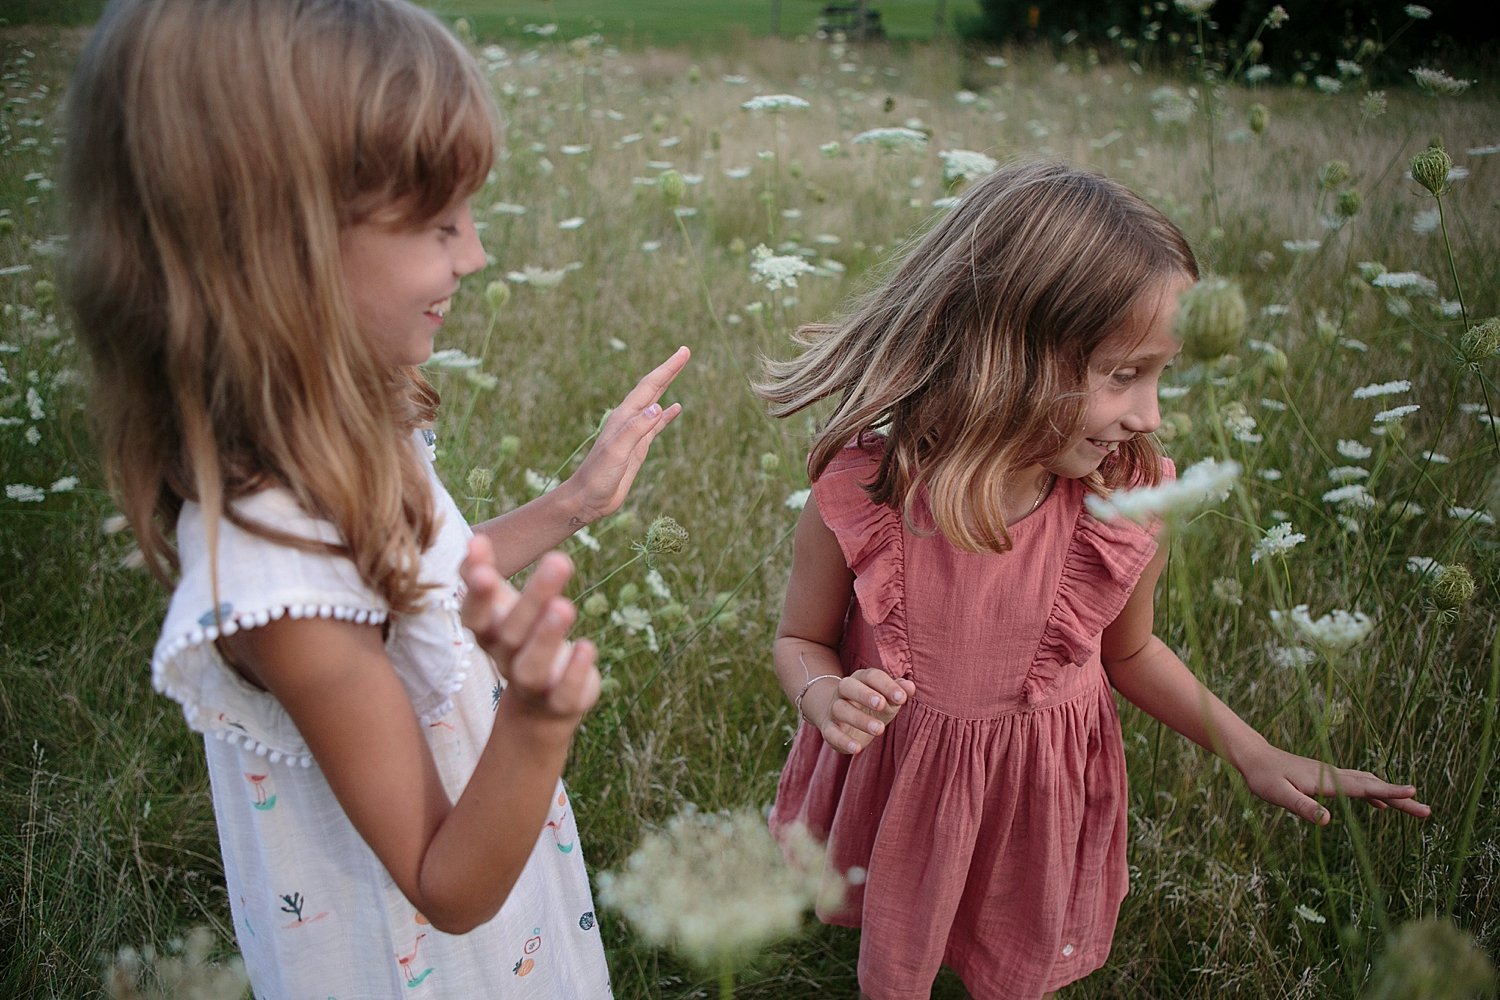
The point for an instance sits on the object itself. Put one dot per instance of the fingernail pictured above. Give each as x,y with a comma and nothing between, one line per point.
875,728
875,704
898,697
654,410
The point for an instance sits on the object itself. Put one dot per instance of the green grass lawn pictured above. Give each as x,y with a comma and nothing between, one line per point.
639,22
669,22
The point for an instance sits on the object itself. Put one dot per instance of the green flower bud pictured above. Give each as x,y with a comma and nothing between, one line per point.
1276,361
1430,167
1327,330
1452,587
769,462
665,535
628,594
1332,174
672,612
1299,79
464,29
45,293
609,686
480,480
672,186
1260,117
1368,49
1227,365
7,225
1254,50
596,605
724,613
1211,319
1348,204
1433,959
737,246
509,445
496,293
1480,343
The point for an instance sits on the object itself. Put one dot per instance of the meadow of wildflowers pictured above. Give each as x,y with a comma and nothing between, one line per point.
1335,558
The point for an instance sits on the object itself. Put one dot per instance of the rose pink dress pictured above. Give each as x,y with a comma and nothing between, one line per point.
990,817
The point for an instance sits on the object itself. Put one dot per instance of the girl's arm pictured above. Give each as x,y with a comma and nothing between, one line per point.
1146,671
456,861
850,711
599,485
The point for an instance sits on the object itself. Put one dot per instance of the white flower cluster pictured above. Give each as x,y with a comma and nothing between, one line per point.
776,270
1338,630
1382,389
965,165
1351,497
894,138
1277,541
1204,483
1406,281
1435,81
775,102
715,887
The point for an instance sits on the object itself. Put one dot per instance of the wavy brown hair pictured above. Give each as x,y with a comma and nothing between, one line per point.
973,355
216,149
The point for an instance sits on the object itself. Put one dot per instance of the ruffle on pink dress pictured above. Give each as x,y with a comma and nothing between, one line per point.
989,819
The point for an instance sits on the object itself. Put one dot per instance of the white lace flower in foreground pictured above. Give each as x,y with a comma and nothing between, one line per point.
776,270
1204,483
1277,541
1351,497
775,102
715,887
1338,630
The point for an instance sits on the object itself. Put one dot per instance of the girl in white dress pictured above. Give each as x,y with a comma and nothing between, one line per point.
270,214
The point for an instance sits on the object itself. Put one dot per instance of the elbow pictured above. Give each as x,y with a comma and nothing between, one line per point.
458,918
458,909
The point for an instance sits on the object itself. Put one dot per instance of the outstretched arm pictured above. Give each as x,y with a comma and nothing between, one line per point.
1146,671
849,711
600,484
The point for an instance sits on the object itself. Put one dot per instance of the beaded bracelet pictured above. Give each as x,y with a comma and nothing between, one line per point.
810,682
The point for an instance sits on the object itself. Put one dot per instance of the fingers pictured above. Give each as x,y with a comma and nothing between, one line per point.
649,389
867,701
488,598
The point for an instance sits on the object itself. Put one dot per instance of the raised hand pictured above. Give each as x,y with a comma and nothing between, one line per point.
1288,780
605,476
525,633
865,703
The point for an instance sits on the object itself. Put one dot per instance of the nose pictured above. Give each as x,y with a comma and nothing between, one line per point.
468,253
1144,415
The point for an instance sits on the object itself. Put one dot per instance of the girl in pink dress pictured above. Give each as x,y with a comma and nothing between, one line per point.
956,618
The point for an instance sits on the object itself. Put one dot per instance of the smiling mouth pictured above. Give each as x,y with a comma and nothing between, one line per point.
1109,446
440,309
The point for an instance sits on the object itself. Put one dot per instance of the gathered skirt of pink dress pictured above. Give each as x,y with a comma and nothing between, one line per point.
989,820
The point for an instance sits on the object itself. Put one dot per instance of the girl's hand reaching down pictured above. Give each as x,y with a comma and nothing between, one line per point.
1288,780
605,476
525,633
857,709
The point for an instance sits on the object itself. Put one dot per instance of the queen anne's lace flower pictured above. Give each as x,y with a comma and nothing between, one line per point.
894,137
1277,541
1382,389
776,270
1204,483
965,164
1337,630
775,102
715,887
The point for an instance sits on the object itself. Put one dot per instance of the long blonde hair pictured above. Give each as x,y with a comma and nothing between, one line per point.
216,149
973,355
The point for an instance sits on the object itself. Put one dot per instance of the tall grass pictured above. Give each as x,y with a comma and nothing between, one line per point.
106,831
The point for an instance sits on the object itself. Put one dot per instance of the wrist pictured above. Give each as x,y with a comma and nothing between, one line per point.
543,729
815,700
568,506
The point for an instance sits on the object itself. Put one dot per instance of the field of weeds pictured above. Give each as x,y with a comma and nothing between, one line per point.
625,217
